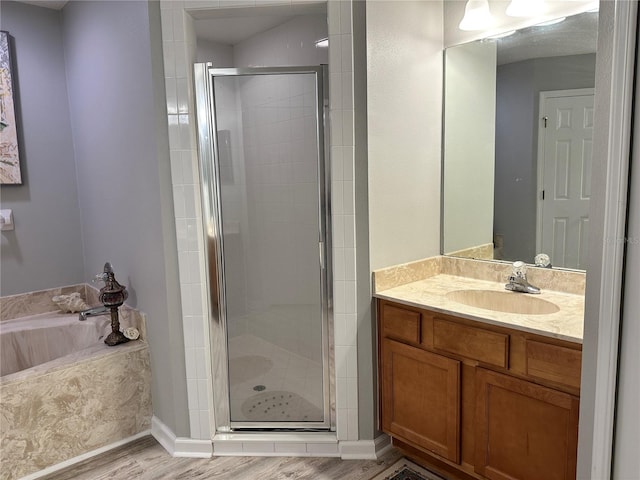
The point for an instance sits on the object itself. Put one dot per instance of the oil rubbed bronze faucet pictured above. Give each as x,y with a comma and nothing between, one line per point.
112,295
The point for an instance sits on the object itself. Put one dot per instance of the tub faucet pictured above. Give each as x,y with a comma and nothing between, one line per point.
90,312
518,282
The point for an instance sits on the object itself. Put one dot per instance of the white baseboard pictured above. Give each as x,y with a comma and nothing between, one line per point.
383,444
365,449
179,446
269,444
85,456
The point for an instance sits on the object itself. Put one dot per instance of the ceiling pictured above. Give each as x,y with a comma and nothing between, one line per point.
577,35
230,26
54,4
229,31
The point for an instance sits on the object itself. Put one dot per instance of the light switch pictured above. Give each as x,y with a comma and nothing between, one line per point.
6,219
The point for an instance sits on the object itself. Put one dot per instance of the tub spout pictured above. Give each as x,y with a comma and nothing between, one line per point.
90,312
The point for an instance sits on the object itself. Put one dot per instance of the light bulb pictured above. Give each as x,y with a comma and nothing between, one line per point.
477,15
525,8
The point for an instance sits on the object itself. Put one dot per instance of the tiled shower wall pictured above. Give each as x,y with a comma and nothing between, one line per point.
280,238
279,242
179,55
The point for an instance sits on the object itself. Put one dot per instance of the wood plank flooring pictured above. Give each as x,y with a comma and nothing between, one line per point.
145,459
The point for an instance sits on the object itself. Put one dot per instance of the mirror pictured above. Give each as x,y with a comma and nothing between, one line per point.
518,115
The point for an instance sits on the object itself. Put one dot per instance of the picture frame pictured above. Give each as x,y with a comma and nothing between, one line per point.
9,150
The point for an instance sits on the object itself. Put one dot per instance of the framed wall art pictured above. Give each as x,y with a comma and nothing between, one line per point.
9,154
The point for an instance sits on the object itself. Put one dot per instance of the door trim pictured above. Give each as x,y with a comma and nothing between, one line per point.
605,275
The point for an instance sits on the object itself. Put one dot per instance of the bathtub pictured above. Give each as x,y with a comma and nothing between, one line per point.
32,341
64,392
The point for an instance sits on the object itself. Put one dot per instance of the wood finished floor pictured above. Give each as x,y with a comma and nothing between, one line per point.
145,459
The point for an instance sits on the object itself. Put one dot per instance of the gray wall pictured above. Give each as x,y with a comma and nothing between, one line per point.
518,87
122,155
45,249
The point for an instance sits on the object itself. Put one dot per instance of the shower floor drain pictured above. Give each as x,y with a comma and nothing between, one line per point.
259,388
280,406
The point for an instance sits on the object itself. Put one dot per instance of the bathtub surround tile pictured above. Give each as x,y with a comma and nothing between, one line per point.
51,417
78,402
25,305
34,303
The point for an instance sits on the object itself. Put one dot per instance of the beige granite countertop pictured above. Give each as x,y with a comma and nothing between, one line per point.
430,292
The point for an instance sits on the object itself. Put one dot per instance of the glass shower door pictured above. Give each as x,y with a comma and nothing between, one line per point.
271,219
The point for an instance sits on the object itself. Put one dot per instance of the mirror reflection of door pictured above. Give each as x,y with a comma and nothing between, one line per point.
564,175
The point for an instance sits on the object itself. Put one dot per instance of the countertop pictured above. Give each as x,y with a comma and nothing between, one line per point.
430,293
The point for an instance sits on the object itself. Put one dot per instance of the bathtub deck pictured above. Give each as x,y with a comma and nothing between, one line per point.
145,459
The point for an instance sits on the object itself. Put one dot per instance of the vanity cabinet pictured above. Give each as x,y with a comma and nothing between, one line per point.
421,400
524,430
476,400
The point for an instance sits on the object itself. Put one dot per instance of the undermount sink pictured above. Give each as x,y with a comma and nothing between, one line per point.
508,302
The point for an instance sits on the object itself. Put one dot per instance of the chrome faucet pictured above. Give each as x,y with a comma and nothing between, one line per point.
518,282
90,312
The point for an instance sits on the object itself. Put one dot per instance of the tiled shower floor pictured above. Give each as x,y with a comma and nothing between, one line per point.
256,363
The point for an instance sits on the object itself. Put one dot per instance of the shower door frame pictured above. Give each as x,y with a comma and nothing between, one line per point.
208,153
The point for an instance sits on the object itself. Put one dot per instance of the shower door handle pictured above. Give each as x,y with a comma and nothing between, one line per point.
321,247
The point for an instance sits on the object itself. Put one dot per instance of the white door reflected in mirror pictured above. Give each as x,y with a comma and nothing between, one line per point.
565,140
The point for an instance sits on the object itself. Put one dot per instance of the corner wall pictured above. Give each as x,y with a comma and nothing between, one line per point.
124,176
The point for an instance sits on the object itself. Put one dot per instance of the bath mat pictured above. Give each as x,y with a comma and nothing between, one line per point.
280,406
405,469
247,367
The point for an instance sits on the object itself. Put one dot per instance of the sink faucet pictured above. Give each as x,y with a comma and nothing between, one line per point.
518,282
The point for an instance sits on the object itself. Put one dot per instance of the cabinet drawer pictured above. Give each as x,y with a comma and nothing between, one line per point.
553,362
485,346
400,323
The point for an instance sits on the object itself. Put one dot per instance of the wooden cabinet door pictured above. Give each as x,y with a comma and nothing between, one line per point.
524,431
421,398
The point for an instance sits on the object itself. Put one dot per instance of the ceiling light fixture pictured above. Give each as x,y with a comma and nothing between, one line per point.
525,8
322,43
477,16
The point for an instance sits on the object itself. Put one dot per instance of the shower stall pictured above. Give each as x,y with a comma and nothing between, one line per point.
265,185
